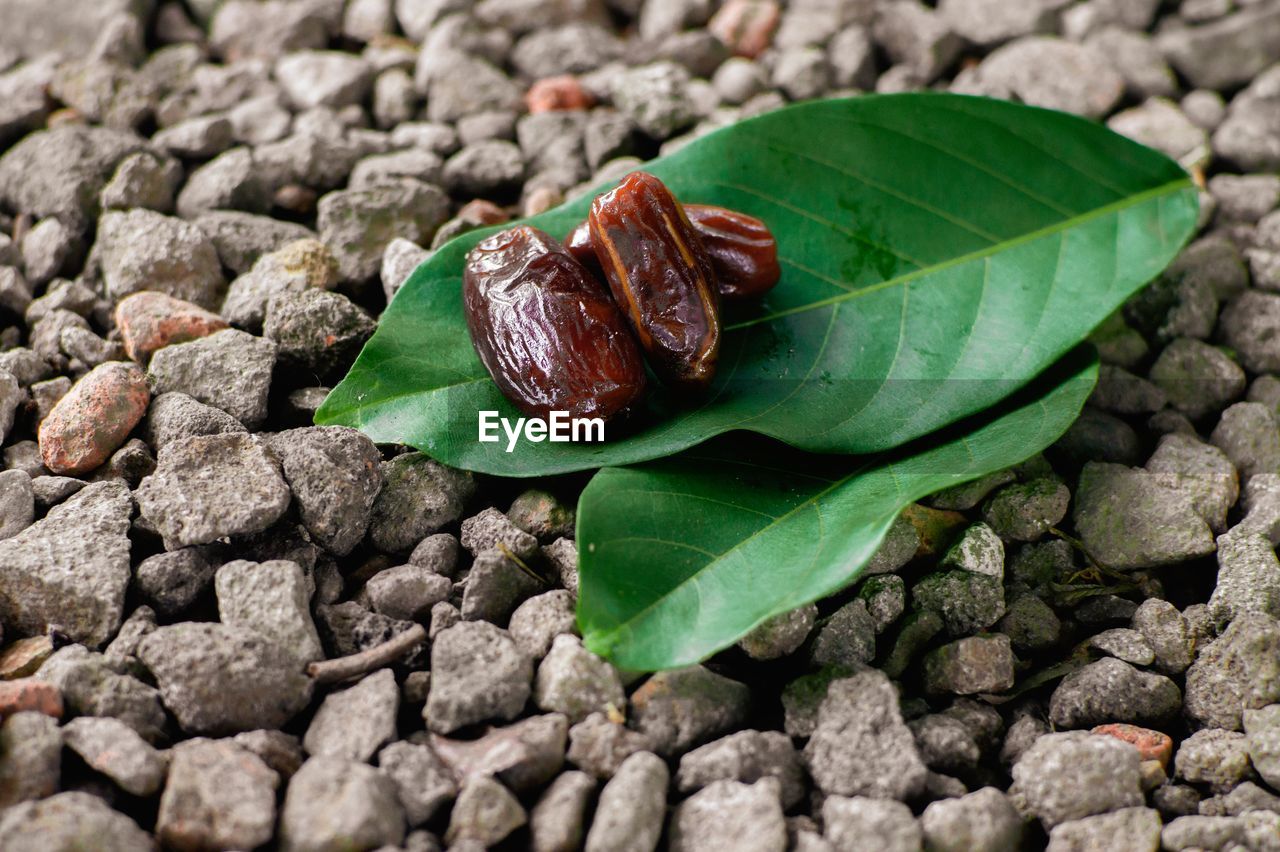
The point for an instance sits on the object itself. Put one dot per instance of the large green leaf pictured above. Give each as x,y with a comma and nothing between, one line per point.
681,557
938,252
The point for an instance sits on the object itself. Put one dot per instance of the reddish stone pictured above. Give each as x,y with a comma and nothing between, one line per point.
745,26
553,94
94,418
541,199
149,321
479,212
1151,745
17,696
24,656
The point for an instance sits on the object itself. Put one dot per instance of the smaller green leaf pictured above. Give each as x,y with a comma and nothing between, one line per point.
682,557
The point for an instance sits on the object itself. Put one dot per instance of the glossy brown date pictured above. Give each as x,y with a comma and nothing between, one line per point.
548,334
661,278
743,253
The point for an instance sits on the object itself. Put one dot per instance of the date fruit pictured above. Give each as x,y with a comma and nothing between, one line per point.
743,252
546,331
661,278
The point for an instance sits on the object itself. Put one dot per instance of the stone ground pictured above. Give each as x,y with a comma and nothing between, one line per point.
203,208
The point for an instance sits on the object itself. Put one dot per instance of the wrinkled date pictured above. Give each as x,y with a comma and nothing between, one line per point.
743,253
661,278
548,334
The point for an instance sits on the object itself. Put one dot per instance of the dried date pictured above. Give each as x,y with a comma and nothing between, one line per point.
743,252
548,334
661,278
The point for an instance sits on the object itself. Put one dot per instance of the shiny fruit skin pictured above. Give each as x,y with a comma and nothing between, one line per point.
546,331
661,278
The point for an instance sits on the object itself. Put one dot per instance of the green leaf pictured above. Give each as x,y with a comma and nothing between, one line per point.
680,558
938,253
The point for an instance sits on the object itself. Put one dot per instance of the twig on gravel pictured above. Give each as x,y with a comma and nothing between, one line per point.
332,671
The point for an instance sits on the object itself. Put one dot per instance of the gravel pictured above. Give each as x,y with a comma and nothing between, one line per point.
204,208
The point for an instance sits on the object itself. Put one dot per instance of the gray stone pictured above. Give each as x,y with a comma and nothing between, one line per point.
1138,58
349,628
201,137
573,681
562,556
1197,378
412,163
399,259
478,673
230,181
316,331
1128,519
484,168
354,722
296,267
173,581
1167,633
557,822
425,782
970,665
1201,471
1072,775
334,804
1028,510
358,224
219,795
1030,623
678,709
210,486
982,821
329,78
1202,832
1238,671
850,822
1248,578
860,746
457,84
990,22
407,592
71,821
495,586
142,180
243,238
1159,123
271,598
1110,690
60,172
335,476
217,679
598,745
229,369
523,756
1250,437
632,807
91,687
491,529
655,98
538,621
1048,72
1226,52
485,813
847,639
30,758
918,38
1124,644
1262,727
70,569
780,635
1214,758
1247,324
420,496
17,503
746,756
1128,828
175,415
967,601
239,28
730,814
113,748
